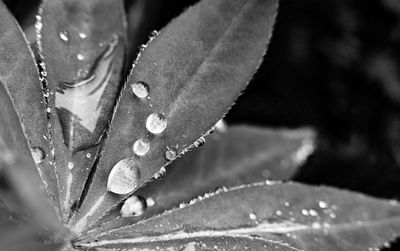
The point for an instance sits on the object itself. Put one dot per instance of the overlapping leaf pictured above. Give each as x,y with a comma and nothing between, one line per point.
194,70
241,155
83,45
20,81
296,217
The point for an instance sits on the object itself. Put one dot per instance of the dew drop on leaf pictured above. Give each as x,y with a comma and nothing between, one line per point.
323,204
141,147
38,154
170,154
82,35
64,36
80,57
150,202
133,206
140,89
253,216
156,123
70,165
160,174
124,177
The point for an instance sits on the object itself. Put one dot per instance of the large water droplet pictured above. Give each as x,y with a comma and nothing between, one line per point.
140,89
124,177
160,174
64,36
134,206
170,154
141,147
38,154
156,123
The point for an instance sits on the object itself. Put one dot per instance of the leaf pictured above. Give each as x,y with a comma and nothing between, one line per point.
241,155
20,81
83,45
194,70
303,217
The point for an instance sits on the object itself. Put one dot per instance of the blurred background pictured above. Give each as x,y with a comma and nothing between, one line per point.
333,65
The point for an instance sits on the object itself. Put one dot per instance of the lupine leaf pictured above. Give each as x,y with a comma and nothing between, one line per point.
241,155
303,217
195,69
20,81
83,45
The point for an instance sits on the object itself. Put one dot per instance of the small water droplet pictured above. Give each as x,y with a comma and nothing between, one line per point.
82,35
253,216
64,36
304,212
170,154
150,202
38,154
124,177
278,212
160,174
140,89
313,213
156,123
133,206
200,142
88,155
80,57
322,204
141,147
71,165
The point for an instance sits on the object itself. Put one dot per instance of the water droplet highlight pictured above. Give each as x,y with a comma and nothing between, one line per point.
124,177
141,147
160,174
140,89
253,216
64,36
150,202
170,154
70,165
80,57
156,123
38,154
82,35
134,206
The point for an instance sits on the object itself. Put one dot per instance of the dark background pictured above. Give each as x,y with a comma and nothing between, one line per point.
332,65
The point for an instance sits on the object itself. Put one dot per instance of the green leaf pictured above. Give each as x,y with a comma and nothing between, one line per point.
241,155
83,46
194,70
21,90
303,217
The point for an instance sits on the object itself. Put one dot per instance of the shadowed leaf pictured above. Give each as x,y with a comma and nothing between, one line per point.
241,155
20,81
303,217
194,70
83,45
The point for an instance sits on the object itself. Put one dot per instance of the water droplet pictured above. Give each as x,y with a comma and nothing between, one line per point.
82,35
322,204
70,165
156,123
38,154
150,202
253,216
80,57
141,147
304,212
200,142
124,177
278,212
140,89
170,154
160,174
286,203
88,155
313,213
133,206
64,36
